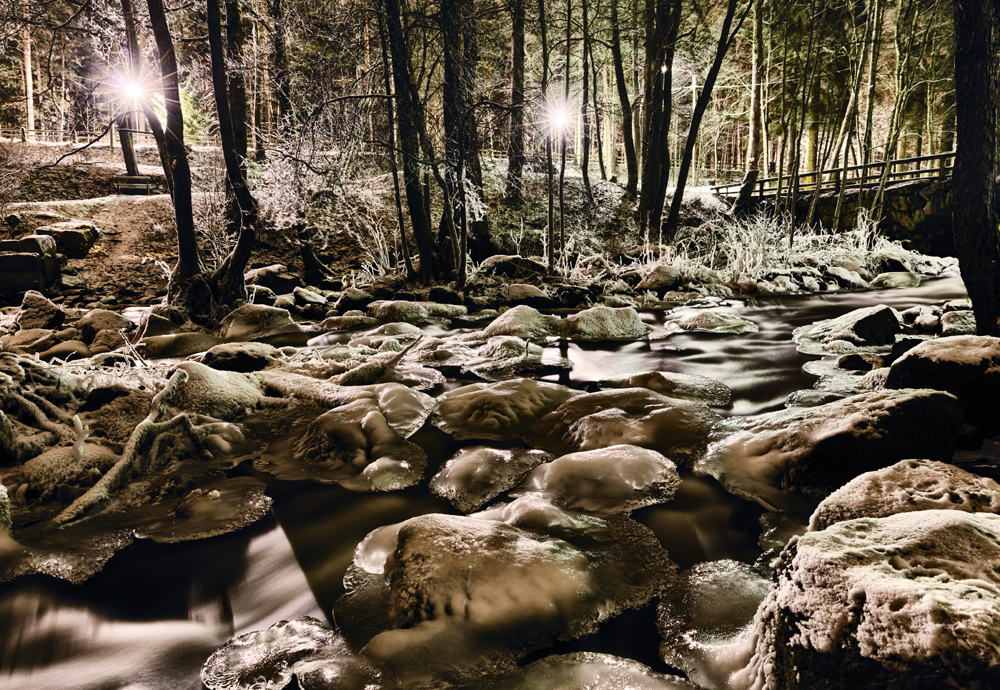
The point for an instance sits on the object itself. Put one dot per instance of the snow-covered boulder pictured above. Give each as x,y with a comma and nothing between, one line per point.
603,323
966,366
256,322
98,320
521,321
661,278
397,310
866,327
793,458
241,357
906,602
221,394
908,486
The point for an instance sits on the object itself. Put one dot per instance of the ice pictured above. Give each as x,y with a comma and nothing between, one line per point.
635,416
504,357
706,620
499,411
351,445
475,475
590,671
615,479
317,657
683,386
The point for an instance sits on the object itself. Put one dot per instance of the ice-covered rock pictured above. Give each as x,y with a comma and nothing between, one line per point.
661,278
712,321
706,619
497,411
635,416
397,310
177,344
591,671
506,356
907,486
100,320
910,601
616,479
791,459
221,394
352,445
399,331
958,323
673,385
966,366
303,649
476,475
867,327
257,322
463,597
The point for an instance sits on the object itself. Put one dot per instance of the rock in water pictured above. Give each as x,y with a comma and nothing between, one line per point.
907,602
967,366
713,321
793,458
866,327
587,671
475,475
908,486
683,386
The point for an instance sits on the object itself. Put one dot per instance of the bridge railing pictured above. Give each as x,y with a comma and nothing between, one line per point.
938,165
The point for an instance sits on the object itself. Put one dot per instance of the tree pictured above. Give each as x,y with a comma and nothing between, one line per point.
975,214
515,151
631,164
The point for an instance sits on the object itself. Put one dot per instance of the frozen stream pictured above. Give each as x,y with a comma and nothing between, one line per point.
156,612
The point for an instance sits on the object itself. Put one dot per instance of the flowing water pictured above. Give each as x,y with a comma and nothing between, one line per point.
157,611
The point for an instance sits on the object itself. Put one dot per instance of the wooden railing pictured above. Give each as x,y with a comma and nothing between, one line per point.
58,136
858,177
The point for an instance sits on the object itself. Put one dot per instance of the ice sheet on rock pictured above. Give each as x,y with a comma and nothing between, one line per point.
214,508
616,479
603,323
351,445
476,475
683,386
706,620
907,486
469,594
317,657
635,416
590,671
67,469
792,459
506,357
712,322
497,411
405,409
535,513
918,594
522,321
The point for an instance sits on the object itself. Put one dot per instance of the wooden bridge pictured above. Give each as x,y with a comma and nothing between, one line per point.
858,177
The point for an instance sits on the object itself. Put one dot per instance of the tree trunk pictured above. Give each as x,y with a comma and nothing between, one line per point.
974,187
550,226
29,90
281,91
631,163
408,117
562,155
237,86
189,261
584,114
754,148
515,151
725,40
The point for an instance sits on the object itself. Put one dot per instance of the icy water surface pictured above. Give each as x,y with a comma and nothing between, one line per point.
156,612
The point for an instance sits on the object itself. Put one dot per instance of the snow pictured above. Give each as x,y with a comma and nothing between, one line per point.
616,479
221,394
909,485
76,466
917,592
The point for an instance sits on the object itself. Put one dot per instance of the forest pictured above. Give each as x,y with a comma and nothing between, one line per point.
499,345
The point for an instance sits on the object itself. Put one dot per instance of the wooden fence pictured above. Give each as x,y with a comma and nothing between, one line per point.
938,165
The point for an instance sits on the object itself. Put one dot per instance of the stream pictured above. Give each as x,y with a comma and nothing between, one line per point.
156,612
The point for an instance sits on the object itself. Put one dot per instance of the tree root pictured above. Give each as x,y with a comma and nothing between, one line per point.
118,475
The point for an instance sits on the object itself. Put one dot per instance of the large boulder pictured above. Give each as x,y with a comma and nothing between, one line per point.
793,458
865,327
37,311
513,266
256,322
397,310
603,323
906,602
661,279
522,293
713,321
241,357
905,487
966,366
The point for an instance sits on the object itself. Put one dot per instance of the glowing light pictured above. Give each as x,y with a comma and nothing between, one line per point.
133,90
